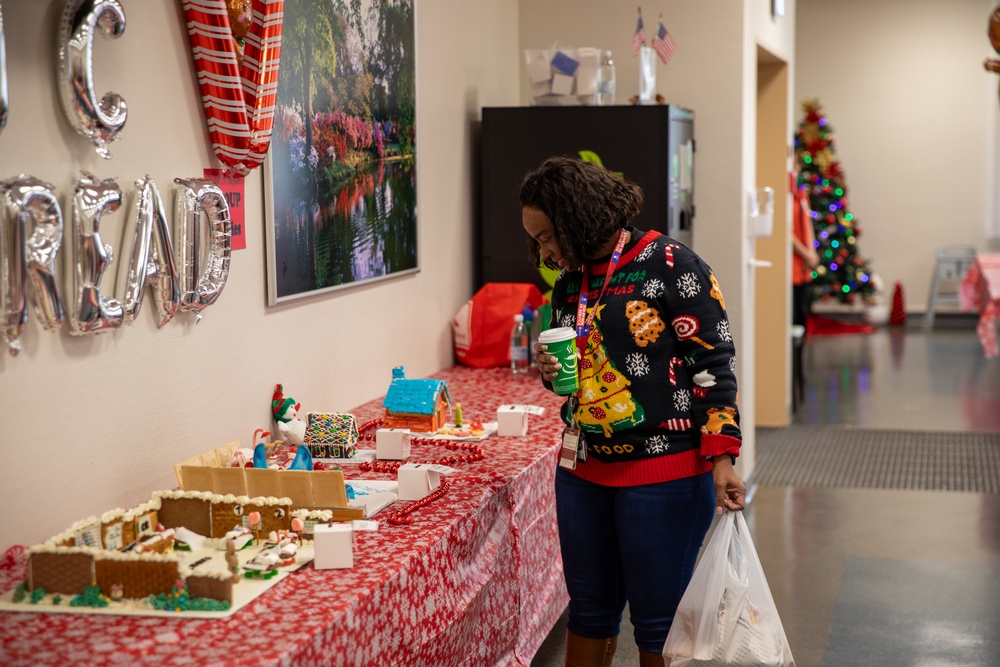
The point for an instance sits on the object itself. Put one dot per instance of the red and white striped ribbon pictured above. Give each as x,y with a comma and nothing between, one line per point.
239,100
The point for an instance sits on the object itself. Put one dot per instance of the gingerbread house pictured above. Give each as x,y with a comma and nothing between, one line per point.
131,549
419,405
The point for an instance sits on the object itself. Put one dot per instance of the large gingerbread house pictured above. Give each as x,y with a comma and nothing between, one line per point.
130,550
420,405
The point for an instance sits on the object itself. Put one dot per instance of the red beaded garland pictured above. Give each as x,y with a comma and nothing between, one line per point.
402,517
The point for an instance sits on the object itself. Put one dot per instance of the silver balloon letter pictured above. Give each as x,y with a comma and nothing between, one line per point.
93,313
202,278
4,106
152,261
99,121
28,263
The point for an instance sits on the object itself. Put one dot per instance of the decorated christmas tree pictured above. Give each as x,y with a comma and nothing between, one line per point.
842,273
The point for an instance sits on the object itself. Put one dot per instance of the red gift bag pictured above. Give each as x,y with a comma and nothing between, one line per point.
483,325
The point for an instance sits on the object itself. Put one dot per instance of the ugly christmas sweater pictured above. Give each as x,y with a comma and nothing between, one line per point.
657,375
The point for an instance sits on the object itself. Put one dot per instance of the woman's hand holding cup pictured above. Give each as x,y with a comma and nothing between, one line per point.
548,365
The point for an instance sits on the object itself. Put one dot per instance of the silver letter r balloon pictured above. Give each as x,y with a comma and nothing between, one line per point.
28,261
99,121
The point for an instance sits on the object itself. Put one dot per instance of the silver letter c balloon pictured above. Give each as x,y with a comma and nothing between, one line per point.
99,121
92,312
204,266
28,262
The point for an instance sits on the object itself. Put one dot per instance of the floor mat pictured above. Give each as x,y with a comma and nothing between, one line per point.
896,613
845,457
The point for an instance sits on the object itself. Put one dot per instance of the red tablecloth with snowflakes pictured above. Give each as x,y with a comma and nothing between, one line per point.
475,580
980,290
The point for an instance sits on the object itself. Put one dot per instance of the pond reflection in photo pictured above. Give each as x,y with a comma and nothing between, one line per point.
363,230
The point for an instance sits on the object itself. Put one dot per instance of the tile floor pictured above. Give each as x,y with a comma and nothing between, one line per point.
877,577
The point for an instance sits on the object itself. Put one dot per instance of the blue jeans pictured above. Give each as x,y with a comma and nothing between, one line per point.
635,543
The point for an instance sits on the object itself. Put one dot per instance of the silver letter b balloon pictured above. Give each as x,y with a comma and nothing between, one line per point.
204,251
92,312
99,121
28,262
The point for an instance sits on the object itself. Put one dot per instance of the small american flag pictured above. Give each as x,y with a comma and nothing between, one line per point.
664,44
640,36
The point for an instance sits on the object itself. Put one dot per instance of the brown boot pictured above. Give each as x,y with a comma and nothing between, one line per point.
585,652
647,659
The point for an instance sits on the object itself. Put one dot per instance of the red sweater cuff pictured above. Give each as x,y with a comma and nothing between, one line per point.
716,444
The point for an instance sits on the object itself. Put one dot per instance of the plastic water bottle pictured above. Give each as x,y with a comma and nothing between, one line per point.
529,323
519,346
606,80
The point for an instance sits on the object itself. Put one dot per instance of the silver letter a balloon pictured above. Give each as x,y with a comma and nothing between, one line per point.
204,251
92,312
152,261
28,262
99,121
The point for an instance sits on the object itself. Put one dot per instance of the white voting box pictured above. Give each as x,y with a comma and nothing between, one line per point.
512,420
333,546
417,480
392,444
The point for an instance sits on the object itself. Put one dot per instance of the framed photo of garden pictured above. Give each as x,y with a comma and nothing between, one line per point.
340,177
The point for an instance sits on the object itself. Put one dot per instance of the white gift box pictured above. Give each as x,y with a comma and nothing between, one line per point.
334,546
512,420
392,444
417,480
562,84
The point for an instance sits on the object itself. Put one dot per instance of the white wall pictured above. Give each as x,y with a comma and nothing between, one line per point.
95,423
914,116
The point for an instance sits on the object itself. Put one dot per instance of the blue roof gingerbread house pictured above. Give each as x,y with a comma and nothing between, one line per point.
419,405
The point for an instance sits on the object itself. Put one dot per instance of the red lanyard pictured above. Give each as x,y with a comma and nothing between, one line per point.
584,321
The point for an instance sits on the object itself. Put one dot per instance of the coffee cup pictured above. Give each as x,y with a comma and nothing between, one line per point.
560,342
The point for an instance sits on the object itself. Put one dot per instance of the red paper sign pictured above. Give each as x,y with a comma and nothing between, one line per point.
232,188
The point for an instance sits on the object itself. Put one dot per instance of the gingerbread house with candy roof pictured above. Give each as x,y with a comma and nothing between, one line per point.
419,405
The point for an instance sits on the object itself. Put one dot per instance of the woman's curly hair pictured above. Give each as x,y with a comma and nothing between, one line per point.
586,203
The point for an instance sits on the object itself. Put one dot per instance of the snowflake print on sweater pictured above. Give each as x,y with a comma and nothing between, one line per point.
688,285
653,289
637,364
723,329
657,444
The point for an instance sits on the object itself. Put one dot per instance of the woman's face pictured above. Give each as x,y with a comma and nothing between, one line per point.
540,228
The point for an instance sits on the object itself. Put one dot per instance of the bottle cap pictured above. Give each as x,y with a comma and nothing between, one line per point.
519,317
528,313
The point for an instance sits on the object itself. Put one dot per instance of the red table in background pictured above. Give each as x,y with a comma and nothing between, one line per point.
980,291
476,579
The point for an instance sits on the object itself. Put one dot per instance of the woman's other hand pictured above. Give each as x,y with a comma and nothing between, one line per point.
730,492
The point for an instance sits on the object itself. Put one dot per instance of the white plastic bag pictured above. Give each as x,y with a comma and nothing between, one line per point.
727,616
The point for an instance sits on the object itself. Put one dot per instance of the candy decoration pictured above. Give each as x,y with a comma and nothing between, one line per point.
674,361
677,424
686,326
239,98
670,254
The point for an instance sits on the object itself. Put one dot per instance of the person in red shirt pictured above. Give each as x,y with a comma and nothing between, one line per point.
804,256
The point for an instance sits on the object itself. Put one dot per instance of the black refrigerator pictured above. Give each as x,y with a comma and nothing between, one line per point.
652,146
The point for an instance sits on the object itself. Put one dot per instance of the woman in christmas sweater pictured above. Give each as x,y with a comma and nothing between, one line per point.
656,406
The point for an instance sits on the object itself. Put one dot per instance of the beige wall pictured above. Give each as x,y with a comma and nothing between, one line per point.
914,117
95,423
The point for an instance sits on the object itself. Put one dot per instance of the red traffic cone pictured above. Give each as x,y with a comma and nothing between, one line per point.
898,315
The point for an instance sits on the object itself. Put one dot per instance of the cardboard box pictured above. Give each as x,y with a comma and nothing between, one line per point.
417,480
392,444
512,420
333,546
